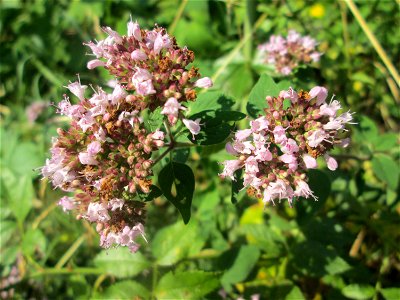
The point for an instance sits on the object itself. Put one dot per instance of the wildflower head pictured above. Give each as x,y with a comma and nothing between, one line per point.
280,146
287,53
104,157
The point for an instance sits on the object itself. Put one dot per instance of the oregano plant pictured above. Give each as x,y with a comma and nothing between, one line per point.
116,137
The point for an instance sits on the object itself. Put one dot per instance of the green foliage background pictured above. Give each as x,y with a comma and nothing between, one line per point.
345,246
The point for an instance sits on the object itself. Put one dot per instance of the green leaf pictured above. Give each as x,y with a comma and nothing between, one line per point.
385,142
21,197
155,192
33,240
358,291
284,85
210,101
237,185
264,87
186,285
120,262
319,261
386,169
125,289
265,237
177,184
320,184
295,294
175,242
154,120
215,126
7,230
242,266
391,293
31,159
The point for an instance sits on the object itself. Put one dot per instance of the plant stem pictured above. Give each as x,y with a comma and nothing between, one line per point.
154,280
182,145
67,255
374,41
162,155
43,215
67,271
178,16
239,46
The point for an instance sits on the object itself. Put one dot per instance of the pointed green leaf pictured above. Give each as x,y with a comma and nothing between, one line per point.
175,242
242,266
120,262
177,184
264,87
386,169
187,285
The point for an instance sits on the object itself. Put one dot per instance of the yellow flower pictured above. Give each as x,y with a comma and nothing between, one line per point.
317,10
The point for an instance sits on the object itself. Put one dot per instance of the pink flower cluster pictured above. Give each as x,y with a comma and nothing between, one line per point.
279,147
105,155
151,64
287,53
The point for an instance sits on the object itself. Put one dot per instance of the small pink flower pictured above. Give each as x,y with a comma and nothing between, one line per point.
310,162
161,42
331,162
95,63
289,94
141,75
289,159
316,137
97,49
204,82
241,135
303,190
193,126
251,165
134,30
116,203
263,154
138,55
330,109
320,92
97,212
93,148
113,34
279,134
86,121
229,148
290,146
77,89
118,94
87,159
230,166
67,203
171,109
158,135
100,134
259,124
145,88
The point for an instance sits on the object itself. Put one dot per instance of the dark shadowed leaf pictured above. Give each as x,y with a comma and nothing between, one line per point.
177,184
237,185
242,266
155,192
386,169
